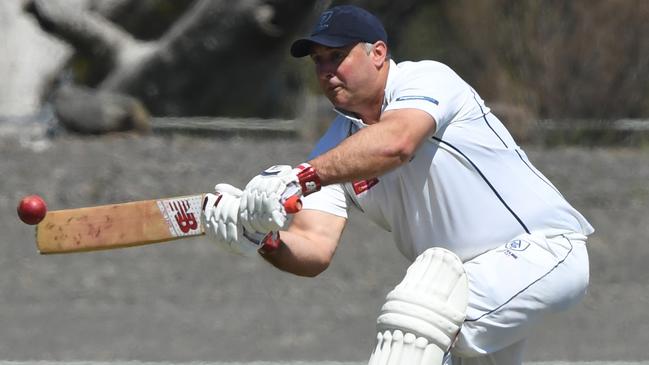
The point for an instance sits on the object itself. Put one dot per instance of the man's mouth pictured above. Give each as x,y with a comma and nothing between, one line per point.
335,88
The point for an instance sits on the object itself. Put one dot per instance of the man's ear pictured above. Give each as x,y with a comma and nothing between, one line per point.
379,53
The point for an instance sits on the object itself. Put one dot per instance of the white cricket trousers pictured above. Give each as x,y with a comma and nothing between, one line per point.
512,288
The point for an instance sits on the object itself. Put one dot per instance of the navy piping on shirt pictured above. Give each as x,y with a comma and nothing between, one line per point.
527,287
537,174
486,181
484,116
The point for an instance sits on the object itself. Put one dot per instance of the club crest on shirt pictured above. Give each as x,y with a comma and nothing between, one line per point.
362,186
517,245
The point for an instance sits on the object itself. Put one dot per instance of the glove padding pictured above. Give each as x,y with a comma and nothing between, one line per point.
222,223
262,202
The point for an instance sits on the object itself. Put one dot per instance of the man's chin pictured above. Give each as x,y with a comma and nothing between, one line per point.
338,102
341,106
337,97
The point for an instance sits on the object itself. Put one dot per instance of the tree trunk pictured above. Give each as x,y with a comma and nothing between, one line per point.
217,58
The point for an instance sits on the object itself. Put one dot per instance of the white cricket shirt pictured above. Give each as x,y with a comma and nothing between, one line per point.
469,186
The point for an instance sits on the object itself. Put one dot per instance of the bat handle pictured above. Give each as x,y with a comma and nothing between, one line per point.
292,204
271,242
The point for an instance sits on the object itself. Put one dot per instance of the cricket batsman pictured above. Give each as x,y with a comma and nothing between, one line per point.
494,246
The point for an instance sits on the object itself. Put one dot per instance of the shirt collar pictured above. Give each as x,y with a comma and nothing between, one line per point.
351,116
392,75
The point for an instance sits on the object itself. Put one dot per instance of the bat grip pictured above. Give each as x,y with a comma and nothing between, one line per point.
292,204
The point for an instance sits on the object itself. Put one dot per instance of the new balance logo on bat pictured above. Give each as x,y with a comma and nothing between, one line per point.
186,220
182,215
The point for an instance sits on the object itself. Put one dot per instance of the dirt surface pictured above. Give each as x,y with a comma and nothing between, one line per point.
190,301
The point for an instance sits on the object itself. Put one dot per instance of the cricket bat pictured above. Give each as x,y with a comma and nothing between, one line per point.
125,224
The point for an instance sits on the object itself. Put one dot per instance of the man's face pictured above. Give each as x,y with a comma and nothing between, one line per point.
345,74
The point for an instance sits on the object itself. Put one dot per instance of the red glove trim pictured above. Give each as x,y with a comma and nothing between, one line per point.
308,179
270,243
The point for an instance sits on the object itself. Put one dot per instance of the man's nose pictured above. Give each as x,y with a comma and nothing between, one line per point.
326,71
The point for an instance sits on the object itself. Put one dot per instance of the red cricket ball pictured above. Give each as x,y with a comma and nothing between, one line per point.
32,209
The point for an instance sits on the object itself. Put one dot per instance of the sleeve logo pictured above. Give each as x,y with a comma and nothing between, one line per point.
418,97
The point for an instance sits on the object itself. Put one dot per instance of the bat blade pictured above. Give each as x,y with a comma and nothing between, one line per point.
120,225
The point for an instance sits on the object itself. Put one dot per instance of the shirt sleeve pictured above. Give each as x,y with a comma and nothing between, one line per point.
330,199
431,87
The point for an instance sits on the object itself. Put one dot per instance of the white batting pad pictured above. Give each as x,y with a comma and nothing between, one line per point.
423,314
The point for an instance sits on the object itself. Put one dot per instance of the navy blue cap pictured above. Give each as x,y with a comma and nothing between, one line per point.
341,26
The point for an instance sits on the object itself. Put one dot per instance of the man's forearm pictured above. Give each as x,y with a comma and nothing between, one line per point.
298,256
367,154
376,149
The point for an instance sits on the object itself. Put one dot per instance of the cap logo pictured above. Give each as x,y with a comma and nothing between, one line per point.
323,23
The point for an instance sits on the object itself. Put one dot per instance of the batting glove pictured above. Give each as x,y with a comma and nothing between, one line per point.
221,211
262,201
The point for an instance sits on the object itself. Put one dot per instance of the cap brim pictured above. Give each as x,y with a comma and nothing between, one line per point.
302,47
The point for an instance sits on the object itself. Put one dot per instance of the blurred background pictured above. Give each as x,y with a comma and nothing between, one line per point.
117,100
103,65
